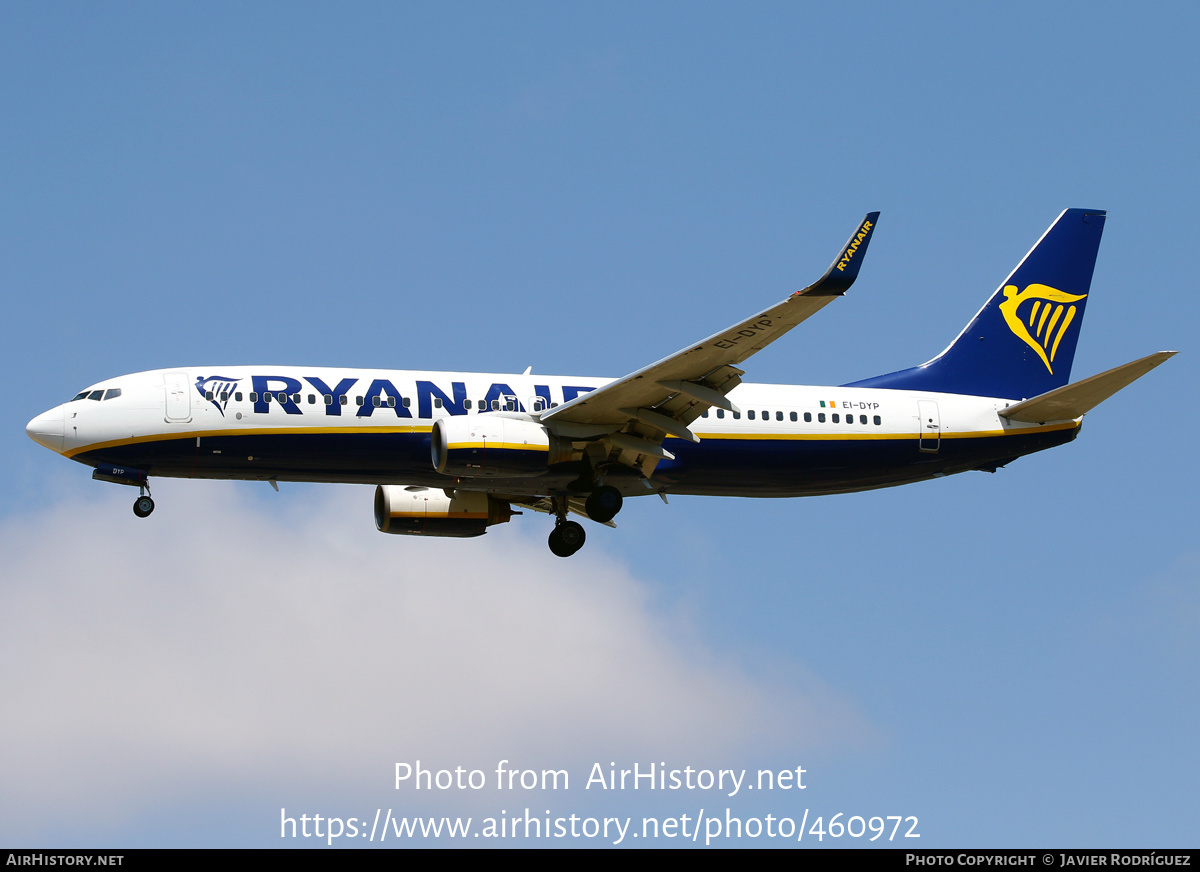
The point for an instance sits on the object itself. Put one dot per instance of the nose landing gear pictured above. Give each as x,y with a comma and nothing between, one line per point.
144,504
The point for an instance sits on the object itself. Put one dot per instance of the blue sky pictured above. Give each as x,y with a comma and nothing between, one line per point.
1012,658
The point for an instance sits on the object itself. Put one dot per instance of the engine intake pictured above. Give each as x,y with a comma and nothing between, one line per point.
422,511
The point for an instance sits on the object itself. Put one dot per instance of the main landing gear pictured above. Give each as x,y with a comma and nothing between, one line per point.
566,538
601,506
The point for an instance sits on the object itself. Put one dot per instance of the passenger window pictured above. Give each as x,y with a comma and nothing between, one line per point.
495,405
792,416
112,393
750,414
358,401
705,415
467,405
283,396
346,400
391,402
720,413
329,399
224,396
862,419
406,401
779,416
820,417
808,417
254,396
238,396
295,398
375,401
878,420
437,402
766,416
553,405
834,416
737,415
312,399
208,395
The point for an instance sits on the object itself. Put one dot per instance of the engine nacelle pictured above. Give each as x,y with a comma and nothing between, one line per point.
486,446
423,511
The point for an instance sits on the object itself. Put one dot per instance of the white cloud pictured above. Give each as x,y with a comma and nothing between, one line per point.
217,643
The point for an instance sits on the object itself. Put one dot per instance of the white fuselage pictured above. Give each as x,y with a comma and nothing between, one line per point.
323,424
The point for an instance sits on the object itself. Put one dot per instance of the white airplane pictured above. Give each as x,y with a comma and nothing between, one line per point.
453,453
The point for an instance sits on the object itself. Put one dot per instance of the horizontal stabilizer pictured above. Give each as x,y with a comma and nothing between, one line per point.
1076,400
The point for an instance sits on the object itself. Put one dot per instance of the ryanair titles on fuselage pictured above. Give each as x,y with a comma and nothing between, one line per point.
375,394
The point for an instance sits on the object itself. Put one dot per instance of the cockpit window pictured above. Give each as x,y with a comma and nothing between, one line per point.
102,394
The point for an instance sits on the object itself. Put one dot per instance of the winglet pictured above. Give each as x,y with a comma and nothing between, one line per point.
844,270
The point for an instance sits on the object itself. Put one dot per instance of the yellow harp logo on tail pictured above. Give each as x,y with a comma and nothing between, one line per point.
1050,310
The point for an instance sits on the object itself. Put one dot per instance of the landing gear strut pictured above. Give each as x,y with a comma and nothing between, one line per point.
567,537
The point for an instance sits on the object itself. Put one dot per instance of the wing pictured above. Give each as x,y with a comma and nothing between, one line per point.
634,414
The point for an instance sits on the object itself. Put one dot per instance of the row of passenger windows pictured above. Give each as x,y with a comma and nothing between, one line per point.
835,417
508,404
110,394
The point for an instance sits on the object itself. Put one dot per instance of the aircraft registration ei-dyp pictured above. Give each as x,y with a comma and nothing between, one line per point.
453,453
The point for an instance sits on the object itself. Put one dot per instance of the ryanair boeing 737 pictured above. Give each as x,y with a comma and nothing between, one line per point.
452,453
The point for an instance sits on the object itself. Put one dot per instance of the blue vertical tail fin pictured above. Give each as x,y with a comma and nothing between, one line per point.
1022,342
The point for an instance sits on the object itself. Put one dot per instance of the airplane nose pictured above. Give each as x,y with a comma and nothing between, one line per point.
47,429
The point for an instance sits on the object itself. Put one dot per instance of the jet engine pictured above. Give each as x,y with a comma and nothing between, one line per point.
423,511
486,446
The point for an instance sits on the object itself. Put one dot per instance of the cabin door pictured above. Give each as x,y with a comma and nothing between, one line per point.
179,399
930,423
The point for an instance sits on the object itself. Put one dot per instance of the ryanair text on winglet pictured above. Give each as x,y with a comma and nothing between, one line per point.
848,254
